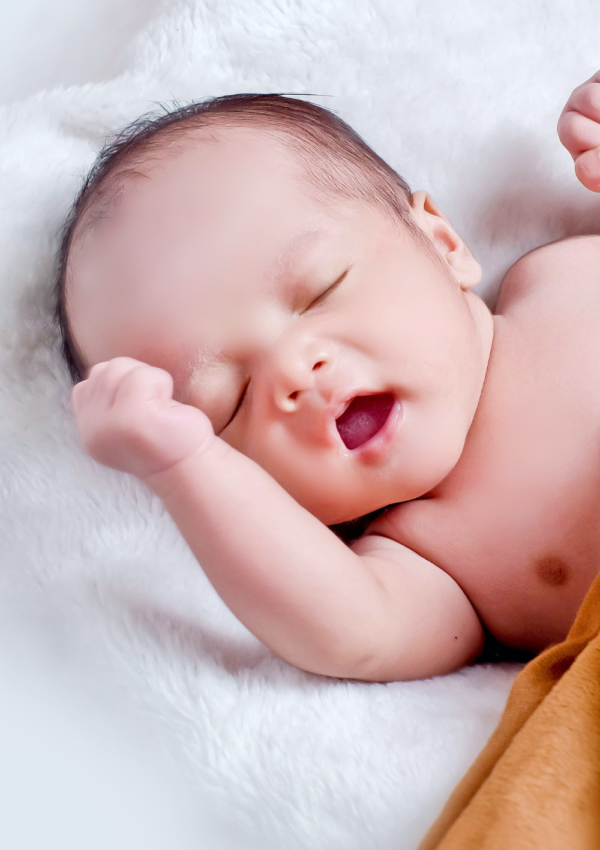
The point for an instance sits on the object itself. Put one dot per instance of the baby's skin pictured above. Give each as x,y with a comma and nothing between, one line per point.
218,363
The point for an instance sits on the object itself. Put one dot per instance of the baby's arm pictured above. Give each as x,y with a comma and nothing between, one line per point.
579,131
376,611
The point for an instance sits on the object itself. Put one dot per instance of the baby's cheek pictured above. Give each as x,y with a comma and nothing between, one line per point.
313,480
275,452
235,438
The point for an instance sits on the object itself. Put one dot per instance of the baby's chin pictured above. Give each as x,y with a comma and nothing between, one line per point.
354,515
359,498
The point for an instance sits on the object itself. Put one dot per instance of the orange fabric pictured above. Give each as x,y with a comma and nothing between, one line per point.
536,784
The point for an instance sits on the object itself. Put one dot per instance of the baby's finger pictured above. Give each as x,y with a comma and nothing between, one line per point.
577,133
586,100
587,169
104,378
83,391
142,384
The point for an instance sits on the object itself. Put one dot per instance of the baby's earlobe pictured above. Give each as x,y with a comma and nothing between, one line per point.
468,281
465,267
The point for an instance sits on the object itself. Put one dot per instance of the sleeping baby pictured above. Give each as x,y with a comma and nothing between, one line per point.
268,329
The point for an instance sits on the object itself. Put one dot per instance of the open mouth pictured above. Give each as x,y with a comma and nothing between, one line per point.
364,417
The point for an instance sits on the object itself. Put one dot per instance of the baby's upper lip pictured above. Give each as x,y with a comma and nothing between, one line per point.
339,405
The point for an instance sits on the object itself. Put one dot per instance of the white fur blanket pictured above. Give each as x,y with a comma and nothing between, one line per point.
462,98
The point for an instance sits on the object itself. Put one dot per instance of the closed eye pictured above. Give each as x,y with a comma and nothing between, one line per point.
329,289
238,405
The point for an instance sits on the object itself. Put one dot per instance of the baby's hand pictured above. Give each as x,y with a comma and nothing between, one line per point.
579,131
128,419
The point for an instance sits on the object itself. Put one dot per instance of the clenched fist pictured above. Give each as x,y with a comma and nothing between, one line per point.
579,131
128,419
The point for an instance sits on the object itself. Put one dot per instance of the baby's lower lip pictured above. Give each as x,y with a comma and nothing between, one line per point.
364,418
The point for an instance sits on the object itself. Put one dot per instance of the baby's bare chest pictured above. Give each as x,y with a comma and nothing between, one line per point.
517,522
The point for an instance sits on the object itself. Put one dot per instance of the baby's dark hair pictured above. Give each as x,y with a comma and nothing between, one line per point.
336,159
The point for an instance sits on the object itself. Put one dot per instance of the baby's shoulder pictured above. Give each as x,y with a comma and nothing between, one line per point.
560,274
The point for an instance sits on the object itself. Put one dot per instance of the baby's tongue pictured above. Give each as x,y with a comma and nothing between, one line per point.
363,418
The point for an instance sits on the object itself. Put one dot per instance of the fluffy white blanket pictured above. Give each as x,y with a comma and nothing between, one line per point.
462,98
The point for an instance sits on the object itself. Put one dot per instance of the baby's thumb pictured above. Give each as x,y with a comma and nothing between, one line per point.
587,169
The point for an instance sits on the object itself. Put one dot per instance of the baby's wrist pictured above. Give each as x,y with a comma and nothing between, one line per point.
166,481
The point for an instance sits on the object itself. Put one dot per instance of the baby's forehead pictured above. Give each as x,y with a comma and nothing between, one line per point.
215,165
217,151
218,187
205,176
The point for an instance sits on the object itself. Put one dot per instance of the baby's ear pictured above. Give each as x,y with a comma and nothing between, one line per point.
445,239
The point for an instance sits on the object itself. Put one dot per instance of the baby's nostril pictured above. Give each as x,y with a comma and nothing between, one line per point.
293,396
318,365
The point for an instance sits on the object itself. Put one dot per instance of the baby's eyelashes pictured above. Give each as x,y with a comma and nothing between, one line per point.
328,291
238,405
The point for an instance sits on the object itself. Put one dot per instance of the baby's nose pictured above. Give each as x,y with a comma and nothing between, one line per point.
294,373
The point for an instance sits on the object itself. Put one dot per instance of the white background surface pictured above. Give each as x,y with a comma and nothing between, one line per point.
44,44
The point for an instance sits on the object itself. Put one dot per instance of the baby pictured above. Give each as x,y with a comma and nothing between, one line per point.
277,337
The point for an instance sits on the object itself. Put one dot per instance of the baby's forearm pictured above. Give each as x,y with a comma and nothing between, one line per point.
283,573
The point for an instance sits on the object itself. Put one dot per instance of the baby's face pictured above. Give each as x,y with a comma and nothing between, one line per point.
273,311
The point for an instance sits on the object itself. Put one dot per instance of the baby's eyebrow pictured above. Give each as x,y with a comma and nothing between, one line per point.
291,251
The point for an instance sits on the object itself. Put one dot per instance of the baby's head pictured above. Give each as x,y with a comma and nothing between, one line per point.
318,312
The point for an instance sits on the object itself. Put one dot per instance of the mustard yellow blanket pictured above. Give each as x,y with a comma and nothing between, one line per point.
536,784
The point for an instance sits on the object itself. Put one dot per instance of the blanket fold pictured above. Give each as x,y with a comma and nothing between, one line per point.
536,784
